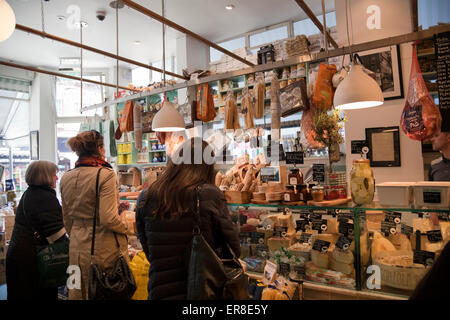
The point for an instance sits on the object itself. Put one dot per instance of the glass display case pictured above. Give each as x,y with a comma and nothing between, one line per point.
371,249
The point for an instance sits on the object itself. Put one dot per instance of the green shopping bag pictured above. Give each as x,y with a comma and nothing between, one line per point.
53,261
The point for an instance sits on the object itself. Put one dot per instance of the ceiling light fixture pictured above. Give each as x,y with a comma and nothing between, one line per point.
137,42
116,4
7,20
229,7
61,18
358,90
168,119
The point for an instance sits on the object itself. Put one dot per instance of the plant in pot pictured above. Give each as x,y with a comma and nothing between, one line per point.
327,126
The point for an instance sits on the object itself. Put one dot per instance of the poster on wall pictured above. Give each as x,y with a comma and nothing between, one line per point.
442,54
385,64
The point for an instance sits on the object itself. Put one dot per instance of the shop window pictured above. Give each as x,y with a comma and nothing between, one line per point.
308,28
140,77
68,96
66,158
432,12
171,62
269,36
230,45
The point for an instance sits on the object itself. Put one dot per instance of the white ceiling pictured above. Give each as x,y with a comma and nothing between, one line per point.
209,18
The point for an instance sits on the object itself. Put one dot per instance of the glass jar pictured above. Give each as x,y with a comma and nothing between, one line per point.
303,192
362,183
295,177
317,193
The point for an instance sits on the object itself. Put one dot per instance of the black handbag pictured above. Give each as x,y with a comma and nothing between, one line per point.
52,259
119,283
209,276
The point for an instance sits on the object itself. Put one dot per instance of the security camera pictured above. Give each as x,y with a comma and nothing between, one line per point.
101,15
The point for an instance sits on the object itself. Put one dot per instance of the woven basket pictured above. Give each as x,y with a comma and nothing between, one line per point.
399,277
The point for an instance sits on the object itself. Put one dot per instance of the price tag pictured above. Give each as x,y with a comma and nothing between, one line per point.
300,270
357,145
301,224
407,230
319,224
431,196
262,251
306,238
424,257
280,232
388,227
434,235
321,246
285,268
257,237
346,228
343,243
395,217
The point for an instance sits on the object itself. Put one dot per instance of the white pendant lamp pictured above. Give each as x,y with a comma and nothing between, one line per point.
168,119
357,91
7,20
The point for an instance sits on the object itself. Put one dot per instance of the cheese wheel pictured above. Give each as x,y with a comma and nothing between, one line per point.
344,256
345,268
319,259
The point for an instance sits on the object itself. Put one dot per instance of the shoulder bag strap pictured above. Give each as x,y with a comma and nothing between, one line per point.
95,213
35,233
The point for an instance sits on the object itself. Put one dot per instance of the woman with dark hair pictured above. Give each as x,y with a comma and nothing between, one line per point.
78,189
164,219
40,211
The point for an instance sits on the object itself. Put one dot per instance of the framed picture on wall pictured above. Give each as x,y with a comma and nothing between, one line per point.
34,145
384,146
385,63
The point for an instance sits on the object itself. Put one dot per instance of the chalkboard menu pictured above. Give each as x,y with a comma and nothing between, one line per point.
442,52
319,172
357,146
294,157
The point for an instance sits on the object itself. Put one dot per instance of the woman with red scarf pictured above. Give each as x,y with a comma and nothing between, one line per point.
78,190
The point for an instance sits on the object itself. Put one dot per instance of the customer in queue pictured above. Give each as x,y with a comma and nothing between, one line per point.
38,211
78,203
164,220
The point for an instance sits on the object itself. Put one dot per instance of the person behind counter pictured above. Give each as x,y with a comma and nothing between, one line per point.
440,169
78,202
38,210
164,222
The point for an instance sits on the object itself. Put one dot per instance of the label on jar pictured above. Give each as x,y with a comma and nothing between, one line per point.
424,257
434,235
344,243
293,181
321,246
287,197
395,217
388,227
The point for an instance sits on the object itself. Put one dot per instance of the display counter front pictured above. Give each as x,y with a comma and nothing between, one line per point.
373,250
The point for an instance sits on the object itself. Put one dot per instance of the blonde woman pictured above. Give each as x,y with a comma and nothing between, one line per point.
38,210
78,202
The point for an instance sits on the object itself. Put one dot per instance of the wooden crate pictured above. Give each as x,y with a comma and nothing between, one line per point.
238,196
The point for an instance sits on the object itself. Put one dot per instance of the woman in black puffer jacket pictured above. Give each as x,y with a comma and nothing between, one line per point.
39,210
164,221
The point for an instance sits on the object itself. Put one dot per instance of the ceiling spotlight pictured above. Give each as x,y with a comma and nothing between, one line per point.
61,18
116,4
229,7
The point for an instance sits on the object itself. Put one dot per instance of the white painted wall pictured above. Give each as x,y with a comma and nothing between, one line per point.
395,20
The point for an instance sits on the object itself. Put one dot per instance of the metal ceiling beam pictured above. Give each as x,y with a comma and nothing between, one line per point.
316,21
62,75
85,47
320,56
175,26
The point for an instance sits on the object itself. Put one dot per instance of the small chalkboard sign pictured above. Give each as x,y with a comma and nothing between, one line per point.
407,230
319,172
423,257
306,238
388,227
442,55
434,235
280,232
431,196
357,146
285,268
262,250
321,246
344,243
395,217
300,270
301,224
346,228
257,237
319,225
295,157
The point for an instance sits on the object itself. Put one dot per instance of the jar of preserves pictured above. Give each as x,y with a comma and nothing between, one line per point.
295,177
318,193
362,183
290,195
303,192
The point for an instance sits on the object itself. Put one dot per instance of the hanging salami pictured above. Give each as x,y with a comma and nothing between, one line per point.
420,117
